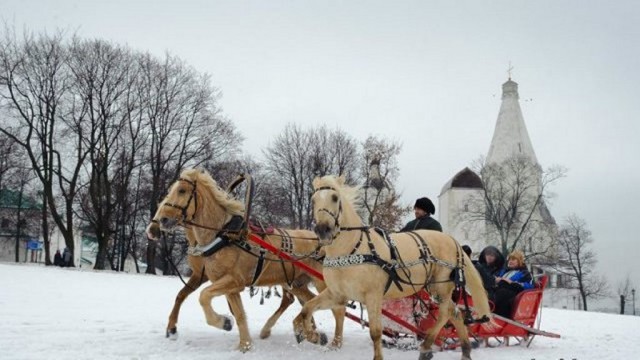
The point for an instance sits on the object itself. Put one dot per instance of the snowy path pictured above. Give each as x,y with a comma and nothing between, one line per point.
53,313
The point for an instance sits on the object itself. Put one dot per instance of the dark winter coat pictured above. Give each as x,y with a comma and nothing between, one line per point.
422,223
57,259
66,257
489,272
506,292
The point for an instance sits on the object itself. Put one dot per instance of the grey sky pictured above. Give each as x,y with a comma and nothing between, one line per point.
425,73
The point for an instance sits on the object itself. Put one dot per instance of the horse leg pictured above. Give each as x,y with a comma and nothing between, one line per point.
194,283
456,318
235,304
224,285
441,291
303,294
302,326
374,312
338,315
287,300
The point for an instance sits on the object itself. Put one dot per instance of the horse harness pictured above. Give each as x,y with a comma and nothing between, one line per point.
391,267
237,225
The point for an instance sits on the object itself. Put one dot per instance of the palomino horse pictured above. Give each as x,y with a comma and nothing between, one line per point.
362,265
198,277
197,203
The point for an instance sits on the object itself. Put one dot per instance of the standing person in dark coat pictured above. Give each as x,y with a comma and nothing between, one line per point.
66,257
57,259
423,209
510,281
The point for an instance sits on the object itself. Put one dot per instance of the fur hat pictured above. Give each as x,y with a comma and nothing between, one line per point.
467,250
518,256
425,204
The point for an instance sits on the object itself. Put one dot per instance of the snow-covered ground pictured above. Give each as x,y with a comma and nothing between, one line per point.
54,313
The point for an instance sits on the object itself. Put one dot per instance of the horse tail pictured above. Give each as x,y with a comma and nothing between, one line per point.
478,293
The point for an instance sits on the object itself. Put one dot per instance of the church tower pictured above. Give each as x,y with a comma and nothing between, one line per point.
461,200
510,136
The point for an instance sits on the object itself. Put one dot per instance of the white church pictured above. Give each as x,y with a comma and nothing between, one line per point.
510,138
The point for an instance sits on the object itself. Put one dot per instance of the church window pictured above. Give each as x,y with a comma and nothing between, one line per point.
520,147
466,207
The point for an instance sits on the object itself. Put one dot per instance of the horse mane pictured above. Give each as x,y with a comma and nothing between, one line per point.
350,194
223,198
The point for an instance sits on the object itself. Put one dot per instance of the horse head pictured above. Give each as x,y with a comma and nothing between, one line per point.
330,197
194,198
180,204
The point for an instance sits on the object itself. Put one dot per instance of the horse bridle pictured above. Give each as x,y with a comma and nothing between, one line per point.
193,196
336,217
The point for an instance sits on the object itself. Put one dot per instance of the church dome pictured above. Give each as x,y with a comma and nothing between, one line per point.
465,178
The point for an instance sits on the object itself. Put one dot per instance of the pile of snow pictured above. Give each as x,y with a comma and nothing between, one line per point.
55,313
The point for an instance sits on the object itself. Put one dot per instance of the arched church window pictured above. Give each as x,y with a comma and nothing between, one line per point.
466,207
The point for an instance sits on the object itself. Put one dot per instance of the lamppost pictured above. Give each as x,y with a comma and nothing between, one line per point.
633,300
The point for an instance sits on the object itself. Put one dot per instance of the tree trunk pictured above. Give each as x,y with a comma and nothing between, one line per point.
101,256
45,232
135,261
19,224
622,304
151,257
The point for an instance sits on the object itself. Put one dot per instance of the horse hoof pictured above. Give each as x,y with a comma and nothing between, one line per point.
426,355
265,333
244,347
335,344
323,339
299,337
228,324
172,334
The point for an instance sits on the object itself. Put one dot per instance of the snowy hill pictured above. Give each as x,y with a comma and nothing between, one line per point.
55,313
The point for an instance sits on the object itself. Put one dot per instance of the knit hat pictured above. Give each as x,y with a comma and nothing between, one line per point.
425,204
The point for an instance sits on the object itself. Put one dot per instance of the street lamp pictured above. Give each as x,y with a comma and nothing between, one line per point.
633,300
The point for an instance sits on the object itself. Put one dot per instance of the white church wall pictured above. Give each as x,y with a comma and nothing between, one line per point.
466,232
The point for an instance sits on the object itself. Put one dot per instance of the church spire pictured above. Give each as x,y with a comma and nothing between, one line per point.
510,136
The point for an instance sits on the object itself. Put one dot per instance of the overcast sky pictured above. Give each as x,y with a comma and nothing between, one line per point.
425,73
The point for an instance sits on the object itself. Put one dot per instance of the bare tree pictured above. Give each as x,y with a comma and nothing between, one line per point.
34,84
513,205
9,157
296,157
577,261
186,127
379,166
625,288
102,79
